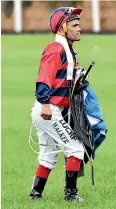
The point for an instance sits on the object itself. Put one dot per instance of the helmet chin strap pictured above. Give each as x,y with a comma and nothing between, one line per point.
64,27
64,33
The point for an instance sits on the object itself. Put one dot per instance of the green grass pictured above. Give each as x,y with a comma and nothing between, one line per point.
20,60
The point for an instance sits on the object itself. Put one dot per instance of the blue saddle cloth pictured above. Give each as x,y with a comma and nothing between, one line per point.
94,116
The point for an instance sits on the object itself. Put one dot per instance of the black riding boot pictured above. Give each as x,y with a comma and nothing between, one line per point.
70,189
37,187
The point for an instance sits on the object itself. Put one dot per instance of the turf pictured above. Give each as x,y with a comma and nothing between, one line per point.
20,60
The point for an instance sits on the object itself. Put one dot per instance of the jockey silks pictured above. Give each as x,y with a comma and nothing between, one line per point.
51,82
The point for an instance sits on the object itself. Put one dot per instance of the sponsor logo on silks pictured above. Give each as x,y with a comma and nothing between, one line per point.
63,129
60,132
68,129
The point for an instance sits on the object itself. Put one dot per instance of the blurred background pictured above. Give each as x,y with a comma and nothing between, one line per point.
33,16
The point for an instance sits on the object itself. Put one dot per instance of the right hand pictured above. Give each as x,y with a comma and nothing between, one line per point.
80,71
46,113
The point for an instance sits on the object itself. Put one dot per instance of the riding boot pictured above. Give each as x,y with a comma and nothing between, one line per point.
37,187
70,189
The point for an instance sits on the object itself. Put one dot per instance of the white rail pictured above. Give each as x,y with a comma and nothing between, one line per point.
17,16
95,16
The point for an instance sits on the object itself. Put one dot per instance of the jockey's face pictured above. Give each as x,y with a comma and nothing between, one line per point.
73,30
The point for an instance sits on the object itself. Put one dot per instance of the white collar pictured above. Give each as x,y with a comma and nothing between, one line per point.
63,41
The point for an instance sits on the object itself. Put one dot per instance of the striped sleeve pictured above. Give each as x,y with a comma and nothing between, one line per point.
42,93
49,65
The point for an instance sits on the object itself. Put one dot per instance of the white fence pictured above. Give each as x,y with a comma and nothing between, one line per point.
18,16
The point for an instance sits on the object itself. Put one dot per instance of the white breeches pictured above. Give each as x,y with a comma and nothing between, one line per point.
54,133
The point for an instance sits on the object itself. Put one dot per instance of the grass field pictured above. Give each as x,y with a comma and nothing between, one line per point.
20,59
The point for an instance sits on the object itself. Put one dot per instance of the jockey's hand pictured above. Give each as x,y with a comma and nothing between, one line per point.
46,112
80,73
